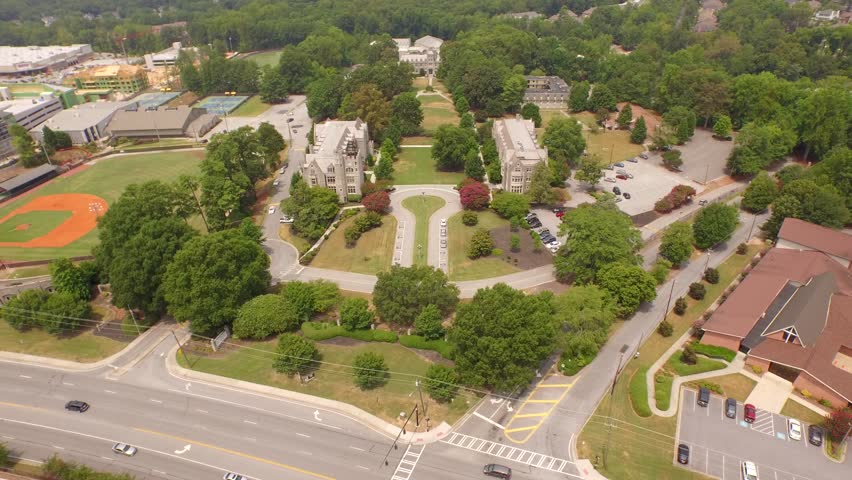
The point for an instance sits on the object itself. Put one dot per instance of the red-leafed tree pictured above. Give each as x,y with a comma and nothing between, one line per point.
378,202
838,423
474,196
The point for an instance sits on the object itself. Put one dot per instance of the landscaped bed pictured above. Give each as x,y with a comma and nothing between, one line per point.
372,253
459,235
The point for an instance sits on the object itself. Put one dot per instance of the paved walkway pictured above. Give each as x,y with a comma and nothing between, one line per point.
770,393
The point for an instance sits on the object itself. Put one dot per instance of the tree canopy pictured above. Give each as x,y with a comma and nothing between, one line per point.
401,293
715,224
451,147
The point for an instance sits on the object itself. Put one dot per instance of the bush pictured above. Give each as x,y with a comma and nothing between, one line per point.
470,218
295,354
355,314
680,306
688,356
474,196
319,331
497,252
824,402
264,316
481,244
714,351
378,202
697,290
664,205
742,249
353,198
308,257
665,329
428,323
444,348
515,243
756,369
364,223
713,387
441,382
639,393
661,270
4,455
370,370
711,276
806,394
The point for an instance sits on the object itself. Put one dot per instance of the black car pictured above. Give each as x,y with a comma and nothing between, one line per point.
77,406
547,238
682,454
815,435
616,190
627,195
731,408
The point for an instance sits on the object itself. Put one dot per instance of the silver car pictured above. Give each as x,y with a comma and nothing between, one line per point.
124,449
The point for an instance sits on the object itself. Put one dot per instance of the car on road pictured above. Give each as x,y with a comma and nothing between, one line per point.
749,471
77,406
272,209
282,169
794,428
443,232
444,243
815,435
124,449
286,219
643,156
499,471
749,413
620,164
616,190
731,408
609,179
621,176
626,195
234,476
702,202
682,454
443,222
633,160
276,183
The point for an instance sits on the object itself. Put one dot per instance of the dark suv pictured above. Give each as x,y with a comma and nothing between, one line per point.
77,406
731,408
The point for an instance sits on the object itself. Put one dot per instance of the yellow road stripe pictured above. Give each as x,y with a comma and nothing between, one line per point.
520,429
543,401
10,404
241,454
556,385
528,415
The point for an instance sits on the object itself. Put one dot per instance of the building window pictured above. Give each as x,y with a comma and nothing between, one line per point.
329,180
332,188
313,181
517,189
790,336
350,170
351,190
350,179
517,179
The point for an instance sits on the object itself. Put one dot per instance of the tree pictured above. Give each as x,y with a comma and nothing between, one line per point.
640,131
25,146
466,120
312,208
758,146
598,234
429,323
451,147
481,244
711,276
470,218
578,101
539,190
722,127
406,108
601,99
629,285
473,165
665,328
509,205
441,382
462,106
679,122
836,166
401,293
515,243
680,306
625,116
672,159
495,176
302,296
513,92
370,370
384,169
501,337
295,354
530,111
474,196
63,140
378,202
48,138
264,316
70,278
688,355
272,143
355,314
21,312
211,276
324,97
61,312
760,193
837,424
584,314
660,270
715,224
294,64
824,118
273,88
368,103
697,290
564,141
590,170
676,245
138,267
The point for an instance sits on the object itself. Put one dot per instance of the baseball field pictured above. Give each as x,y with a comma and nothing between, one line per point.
59,218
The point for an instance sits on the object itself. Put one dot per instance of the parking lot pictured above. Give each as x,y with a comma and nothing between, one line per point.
651,182
704,157
718,444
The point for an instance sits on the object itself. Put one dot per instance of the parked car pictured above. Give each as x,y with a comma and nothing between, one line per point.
560,214
609,167
535,224
815,435
618,199
390,189
276,183
609,179
444,242
548,239
749,471
749,413
234,476
794,429
633,160
703,397
643,155
124,449
282,169
620,164
272,209
443,222
621,176
616,190
730,408
286,219
682,454
499,471
702,202
443,232
77,406
555,243
626,195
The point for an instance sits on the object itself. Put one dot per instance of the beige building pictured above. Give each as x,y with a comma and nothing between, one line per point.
518,151
424,56
546,91
121,78
336,158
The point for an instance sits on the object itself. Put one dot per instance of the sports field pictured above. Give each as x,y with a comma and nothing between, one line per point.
59,218
269,57
155,99
221,105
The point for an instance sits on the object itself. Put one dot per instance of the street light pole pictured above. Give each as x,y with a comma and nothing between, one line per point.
750,230
124,50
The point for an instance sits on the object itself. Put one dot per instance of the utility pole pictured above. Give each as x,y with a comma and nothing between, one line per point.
44,149
750,230
138,331
422,405
124,50
180,347
669,301
401,432
609,412
707,263
706,172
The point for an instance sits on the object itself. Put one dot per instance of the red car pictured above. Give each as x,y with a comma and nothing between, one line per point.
749,413
621,176
560,214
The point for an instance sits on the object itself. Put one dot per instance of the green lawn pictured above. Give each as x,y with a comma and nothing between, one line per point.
463,268
795,410
612,145
27,272
642,448
432,99
422,207
165,142
735,385
107,179
35,224
415,166
435,116
703,365
265,58
251,108
84,347
418,140
372,254
336,382
288,236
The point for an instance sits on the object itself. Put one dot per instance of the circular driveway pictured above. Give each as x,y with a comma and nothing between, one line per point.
404,248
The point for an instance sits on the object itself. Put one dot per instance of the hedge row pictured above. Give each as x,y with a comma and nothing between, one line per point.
639,393
318,331
713,351
445,349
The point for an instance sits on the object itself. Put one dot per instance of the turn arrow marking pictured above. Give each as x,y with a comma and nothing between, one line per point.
183,450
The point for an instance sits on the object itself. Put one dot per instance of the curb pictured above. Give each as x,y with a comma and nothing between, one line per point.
354,413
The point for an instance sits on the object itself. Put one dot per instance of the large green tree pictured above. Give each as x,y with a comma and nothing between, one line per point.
676,244
679,123
565,144
324,97
513,92
758,146
825,116
579,98
451,146
639,132
539,190
406,108
70,278
313,209
629,285
510,205
295,67
590,170
264,316
715,224
401,293
369,104
273,88
371,371
602,98
761,191
25,146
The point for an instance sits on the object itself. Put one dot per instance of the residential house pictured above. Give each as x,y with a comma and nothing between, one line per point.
546,91
424,55
518,152
336,157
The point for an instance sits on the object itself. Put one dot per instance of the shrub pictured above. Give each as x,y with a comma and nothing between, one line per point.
308,257
444,348
742,249
481,244
370,370
678,195
697,290
688,356
441,382
665,329
824,402
713,387
806,394
474,196
378,202
4,455
319,331
837,424
353,198
355,314
680,306
470,218
265,315
364,223
756,369
295,354
711,276
497,252
661,270
714,351
664,205
515,243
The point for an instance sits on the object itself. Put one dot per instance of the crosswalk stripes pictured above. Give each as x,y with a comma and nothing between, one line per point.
409,461
514,454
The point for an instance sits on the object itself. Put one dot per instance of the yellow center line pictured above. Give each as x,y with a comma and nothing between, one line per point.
29,407
240,454
520,429
556,385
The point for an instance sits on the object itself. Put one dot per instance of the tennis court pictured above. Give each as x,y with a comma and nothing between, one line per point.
155,99
221,105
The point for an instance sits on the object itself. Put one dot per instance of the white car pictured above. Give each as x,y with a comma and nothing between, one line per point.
555,243
553,248
276,183
609,179
443,222
286,219
444,242
234,476
794,428
272,209
124,449
443,232
749,471
282,169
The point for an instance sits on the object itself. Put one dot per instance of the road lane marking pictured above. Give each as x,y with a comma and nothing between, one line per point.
105,458
356,448
200,410
25,376
512,454
249,422
10,404
109,391
58,447
156,401
304,452
538,417
239,454
492,422
7,437
364,468
158,471
68,384
303,435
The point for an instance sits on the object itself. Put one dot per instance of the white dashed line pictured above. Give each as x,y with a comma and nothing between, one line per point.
156,401
356,448
249,422
25,376
109,391
7,437
359,466
303,435
157,471
304,452
105,458
58,447
68,384
200,411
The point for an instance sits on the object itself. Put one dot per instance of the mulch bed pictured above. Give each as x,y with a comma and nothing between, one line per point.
644,218
525,258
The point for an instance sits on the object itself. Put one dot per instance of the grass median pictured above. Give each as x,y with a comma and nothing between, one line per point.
422,207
